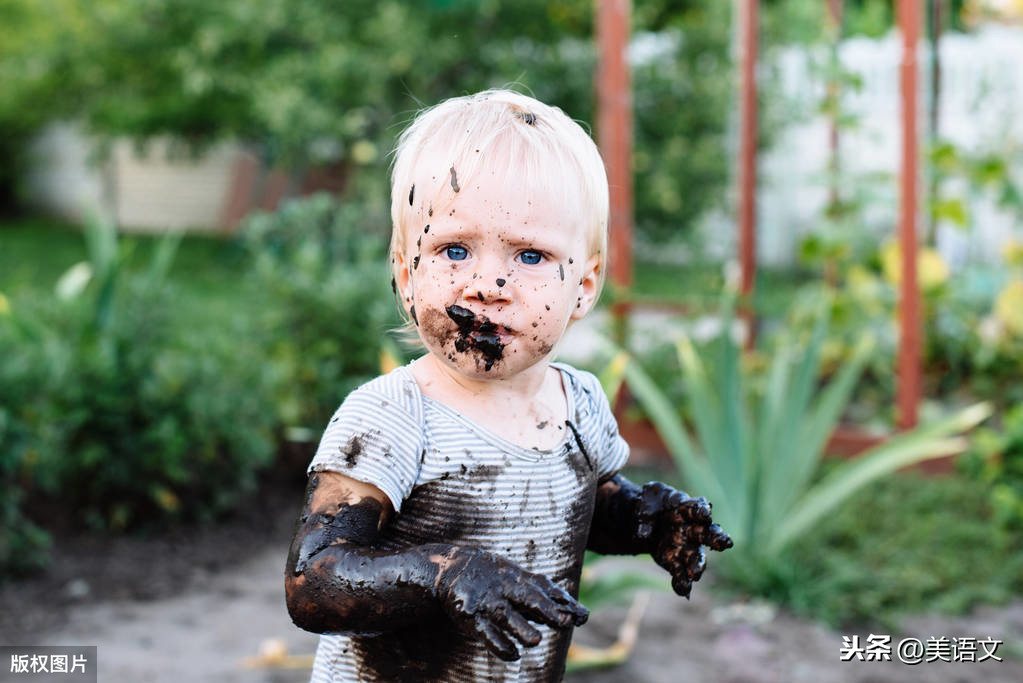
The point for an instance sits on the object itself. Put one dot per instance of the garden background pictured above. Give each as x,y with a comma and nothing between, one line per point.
193,275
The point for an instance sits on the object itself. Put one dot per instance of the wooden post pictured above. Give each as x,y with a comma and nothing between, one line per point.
834,93
908,363
748,161
614,131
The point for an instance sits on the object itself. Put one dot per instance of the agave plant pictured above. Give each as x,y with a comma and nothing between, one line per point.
753,448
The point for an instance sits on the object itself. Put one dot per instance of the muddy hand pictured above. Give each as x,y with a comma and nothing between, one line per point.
495,600
678,527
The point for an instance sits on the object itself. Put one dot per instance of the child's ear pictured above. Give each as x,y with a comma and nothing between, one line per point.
403,280
587,295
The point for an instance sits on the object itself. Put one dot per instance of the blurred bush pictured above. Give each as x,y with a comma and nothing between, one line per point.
329,84
120,412
321,267
28,423
996,460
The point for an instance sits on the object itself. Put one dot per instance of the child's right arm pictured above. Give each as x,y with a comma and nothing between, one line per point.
338,582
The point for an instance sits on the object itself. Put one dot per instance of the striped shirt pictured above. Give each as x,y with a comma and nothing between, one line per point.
452,481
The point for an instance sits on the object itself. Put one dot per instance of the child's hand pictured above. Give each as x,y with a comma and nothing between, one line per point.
495,599
677,527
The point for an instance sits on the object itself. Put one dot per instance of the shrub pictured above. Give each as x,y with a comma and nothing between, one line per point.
909,544
322,268
121,412
996,460
159,423
27,420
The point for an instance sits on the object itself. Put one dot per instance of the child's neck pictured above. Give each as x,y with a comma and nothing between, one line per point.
524,385
526,409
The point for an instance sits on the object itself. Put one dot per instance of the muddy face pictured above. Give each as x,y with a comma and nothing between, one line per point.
499,273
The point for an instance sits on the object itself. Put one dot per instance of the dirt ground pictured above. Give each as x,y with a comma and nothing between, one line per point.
200,606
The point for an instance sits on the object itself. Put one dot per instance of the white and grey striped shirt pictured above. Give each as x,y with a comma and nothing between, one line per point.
452,481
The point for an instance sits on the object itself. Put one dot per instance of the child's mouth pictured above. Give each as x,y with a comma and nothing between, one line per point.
477,332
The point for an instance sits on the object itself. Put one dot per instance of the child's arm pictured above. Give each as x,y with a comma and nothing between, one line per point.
337,582
659,520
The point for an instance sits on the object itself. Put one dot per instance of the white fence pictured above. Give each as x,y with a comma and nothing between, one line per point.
980,105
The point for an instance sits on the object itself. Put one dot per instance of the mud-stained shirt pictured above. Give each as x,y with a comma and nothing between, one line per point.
452,481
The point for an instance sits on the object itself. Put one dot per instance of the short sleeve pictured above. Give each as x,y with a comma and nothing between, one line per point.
376,436
597,424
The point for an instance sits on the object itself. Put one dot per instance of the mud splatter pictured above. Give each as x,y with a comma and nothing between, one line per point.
352,450
530,552
415,262
427,228
454,180
412,312
561,272
500,281
476,332
528,117
411,194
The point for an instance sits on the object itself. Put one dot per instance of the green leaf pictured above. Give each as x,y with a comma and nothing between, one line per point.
923,443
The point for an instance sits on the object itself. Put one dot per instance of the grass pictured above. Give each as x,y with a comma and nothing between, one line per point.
209,270
911,544
697,287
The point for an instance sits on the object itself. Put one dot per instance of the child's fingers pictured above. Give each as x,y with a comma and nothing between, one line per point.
696,563
558,611
694,510
495,639
715,538
525,632
578,613
681,585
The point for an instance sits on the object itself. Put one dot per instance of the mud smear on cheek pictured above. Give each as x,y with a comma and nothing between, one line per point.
476,333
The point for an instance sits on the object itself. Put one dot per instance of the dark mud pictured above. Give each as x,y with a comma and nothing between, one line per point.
476,332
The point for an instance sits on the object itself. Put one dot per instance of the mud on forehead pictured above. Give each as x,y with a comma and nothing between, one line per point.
513,177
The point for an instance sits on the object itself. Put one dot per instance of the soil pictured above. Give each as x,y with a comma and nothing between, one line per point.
203,605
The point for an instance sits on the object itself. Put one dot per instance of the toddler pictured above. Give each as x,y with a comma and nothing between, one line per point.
451,500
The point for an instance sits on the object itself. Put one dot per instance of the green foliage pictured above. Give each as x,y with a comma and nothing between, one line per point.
320,267
38,49
758,440
329,83
996,460
906,544
27,422
135,419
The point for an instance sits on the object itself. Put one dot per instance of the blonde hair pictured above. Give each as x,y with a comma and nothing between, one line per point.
532,147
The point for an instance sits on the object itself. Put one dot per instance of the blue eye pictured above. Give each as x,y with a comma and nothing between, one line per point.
530,257
457,253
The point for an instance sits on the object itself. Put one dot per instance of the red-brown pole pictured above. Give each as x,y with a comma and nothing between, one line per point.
748,158
908,368
614,130
835,26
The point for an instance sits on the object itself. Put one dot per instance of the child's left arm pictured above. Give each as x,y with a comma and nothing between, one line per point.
659,520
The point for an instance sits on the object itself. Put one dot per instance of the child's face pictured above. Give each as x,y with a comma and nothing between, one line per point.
496,278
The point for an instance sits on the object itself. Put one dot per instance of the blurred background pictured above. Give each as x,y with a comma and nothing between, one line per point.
194,218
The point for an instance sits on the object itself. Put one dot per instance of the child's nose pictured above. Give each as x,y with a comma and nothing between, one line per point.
487,289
